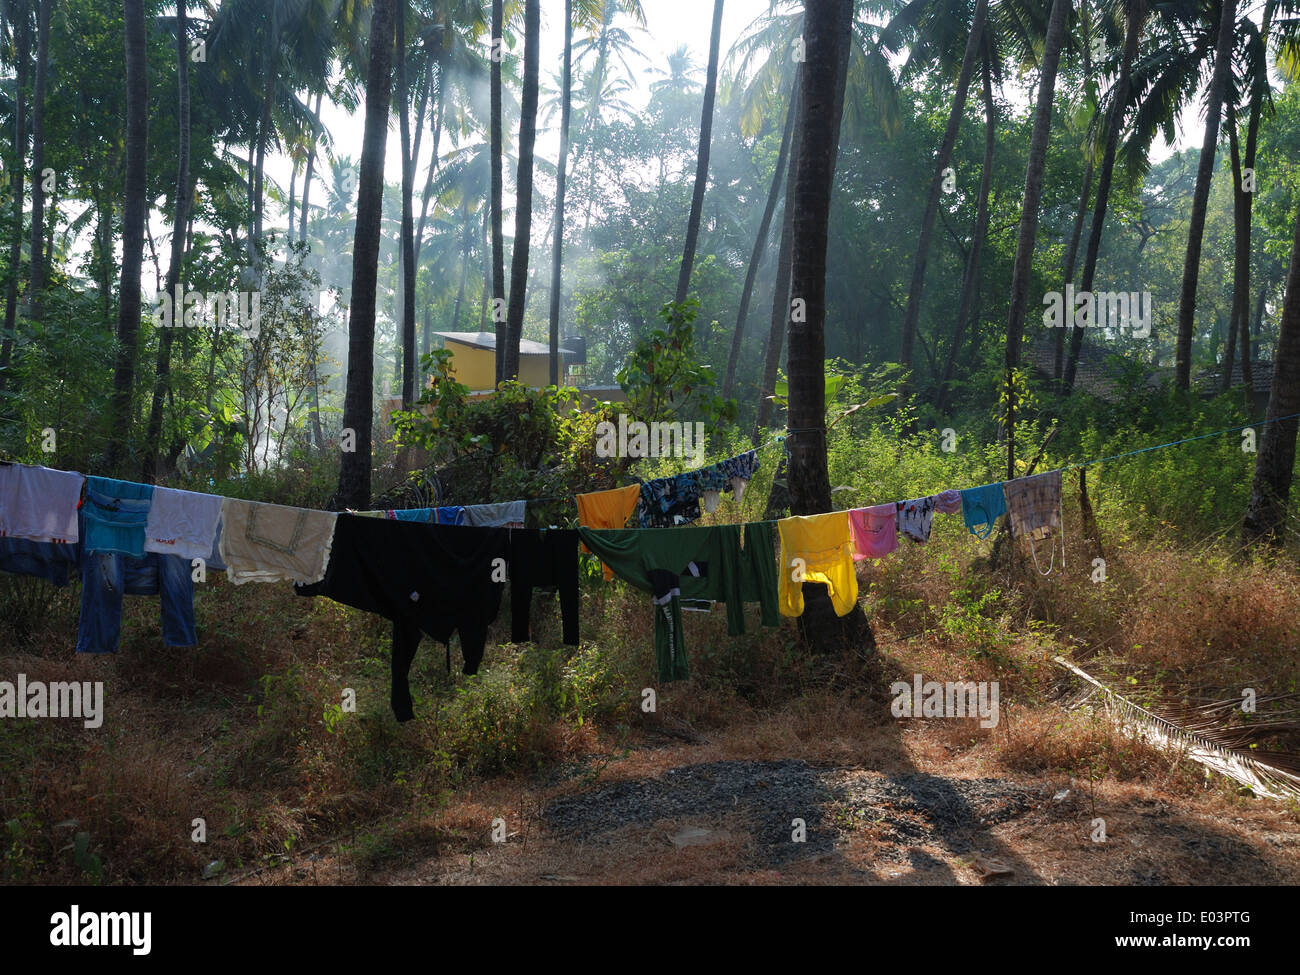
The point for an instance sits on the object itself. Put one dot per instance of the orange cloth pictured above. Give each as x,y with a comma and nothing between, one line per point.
608,509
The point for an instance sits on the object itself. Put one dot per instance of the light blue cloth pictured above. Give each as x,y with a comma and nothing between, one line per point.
115,516
446,515
981,507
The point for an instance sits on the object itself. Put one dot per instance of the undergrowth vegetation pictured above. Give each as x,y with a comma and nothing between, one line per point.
250,734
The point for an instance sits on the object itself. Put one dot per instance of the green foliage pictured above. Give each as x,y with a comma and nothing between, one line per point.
664,376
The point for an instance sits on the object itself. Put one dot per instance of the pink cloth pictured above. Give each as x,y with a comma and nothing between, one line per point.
874,530
947,502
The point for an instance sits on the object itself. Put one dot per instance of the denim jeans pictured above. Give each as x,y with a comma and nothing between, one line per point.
107,576
50,561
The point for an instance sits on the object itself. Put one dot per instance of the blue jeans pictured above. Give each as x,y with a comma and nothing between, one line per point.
108,576
50,561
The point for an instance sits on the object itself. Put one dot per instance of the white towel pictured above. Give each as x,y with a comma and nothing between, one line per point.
274,543
182,523
39,503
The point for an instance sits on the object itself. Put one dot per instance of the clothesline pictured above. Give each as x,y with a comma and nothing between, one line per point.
1067,467
125,538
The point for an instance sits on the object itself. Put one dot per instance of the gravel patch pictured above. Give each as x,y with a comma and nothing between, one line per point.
764,798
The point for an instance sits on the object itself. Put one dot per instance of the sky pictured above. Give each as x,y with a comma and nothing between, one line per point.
669,24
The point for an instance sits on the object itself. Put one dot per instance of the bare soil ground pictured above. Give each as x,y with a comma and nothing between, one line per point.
660,811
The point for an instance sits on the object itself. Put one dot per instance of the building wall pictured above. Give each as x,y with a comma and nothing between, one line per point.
476,368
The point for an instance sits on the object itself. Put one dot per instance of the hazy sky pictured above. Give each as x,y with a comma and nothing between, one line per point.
669,24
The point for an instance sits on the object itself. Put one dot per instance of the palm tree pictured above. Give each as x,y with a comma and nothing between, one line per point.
827,25
1201,194
1029,214
760,242
358,404
561,179
18,16
1258,92
1275,462
133,218
702,157
1135,12
970,284
780,308
973,40
498,244
36,283
408,217
523,192
184,194
318,132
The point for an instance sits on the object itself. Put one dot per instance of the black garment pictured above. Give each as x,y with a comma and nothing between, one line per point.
543,558
427,578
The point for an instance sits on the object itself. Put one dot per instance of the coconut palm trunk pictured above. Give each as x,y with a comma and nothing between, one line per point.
36,284
408,217
17,184
561,185
162,371
1275,463
1029,216
495,139
970,286
1201,195
1136,17
358,402
523,190
913,312
760,243
701,158
133,218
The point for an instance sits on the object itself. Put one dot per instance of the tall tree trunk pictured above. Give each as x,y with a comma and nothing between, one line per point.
433,162
1275,462
153,436
780,311
970,286
826,24
1076,233
913,313
306,182
408,217
358,402
498,243
760,241
561,179
1248,204
1240,299
133,220
1029,215
264,125
17,183
465,243
1201,194
38,256
487,276
1136,14
701,158
523,190
293,188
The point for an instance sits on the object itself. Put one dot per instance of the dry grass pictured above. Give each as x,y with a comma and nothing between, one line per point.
242,735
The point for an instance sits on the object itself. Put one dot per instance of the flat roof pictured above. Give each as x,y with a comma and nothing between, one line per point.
488,341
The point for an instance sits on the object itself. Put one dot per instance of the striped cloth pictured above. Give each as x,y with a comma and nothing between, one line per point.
1034,504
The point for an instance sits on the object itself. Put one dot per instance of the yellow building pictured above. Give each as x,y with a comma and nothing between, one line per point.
473,364
474,356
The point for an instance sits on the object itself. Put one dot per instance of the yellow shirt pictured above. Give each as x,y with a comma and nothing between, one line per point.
607,509
824,548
